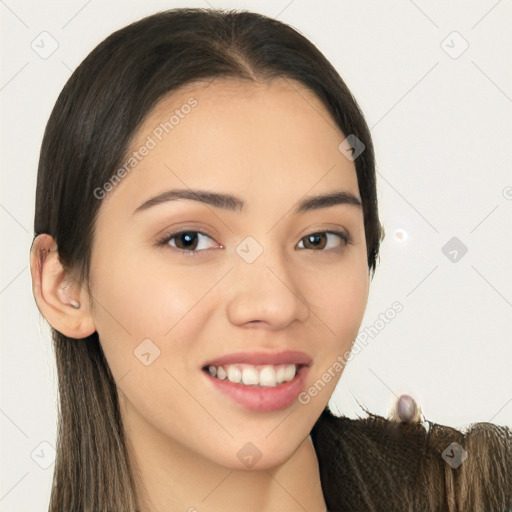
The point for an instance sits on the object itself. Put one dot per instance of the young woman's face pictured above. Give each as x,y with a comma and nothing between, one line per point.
257,281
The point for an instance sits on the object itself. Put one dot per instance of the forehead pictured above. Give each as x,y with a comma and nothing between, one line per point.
229,101
248,136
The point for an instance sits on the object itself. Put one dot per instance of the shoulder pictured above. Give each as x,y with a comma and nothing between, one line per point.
378,464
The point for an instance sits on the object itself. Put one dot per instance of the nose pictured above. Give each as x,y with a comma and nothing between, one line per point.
266,292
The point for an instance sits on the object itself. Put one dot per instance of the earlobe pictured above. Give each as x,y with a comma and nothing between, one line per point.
62,301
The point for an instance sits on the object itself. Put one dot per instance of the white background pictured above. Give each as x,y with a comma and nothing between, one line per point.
442,129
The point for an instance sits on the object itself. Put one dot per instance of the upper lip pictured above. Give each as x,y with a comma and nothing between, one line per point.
262,357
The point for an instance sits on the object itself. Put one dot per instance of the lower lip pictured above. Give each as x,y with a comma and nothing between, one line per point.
262,399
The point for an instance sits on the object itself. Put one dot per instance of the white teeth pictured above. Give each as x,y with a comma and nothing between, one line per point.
280,374
250,375
289,372
234,373
268,376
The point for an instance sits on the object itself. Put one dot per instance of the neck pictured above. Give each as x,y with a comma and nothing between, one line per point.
169,476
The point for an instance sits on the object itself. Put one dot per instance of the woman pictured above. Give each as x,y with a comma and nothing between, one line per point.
206,229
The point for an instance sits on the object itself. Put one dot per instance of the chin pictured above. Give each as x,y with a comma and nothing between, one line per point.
261,453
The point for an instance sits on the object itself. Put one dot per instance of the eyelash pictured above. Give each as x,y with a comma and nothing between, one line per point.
345,238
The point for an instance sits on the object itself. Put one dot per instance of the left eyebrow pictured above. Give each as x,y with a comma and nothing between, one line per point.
233,203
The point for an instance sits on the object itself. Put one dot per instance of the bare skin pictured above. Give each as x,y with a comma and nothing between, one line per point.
271,145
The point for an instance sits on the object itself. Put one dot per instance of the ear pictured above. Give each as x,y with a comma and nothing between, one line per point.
59,297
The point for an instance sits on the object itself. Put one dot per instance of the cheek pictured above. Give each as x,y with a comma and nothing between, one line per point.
352,300
139,306
341,296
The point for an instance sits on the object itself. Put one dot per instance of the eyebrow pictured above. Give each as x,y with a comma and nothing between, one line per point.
233,203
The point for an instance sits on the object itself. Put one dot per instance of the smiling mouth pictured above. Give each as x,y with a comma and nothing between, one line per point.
266,375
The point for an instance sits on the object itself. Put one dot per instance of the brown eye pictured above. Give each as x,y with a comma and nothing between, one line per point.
320,240
186,241
315,241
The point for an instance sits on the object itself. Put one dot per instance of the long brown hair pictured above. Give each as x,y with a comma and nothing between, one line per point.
86,139
376,464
